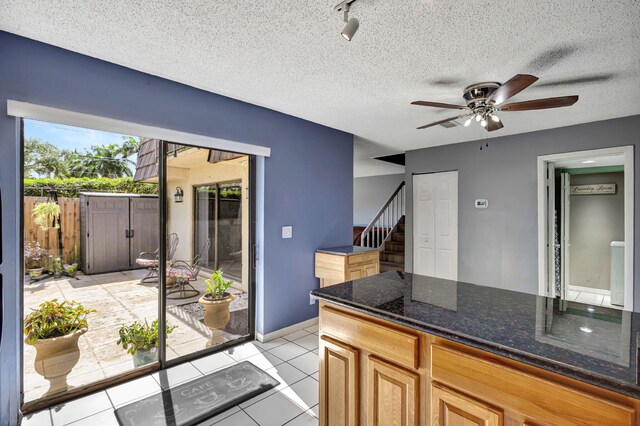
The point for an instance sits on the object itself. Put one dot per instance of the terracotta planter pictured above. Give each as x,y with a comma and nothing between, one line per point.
55,358
216,311
143,357
35,272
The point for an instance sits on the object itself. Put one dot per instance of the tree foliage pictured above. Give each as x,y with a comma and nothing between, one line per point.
43,159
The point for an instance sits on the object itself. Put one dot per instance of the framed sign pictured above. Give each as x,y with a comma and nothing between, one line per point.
593,189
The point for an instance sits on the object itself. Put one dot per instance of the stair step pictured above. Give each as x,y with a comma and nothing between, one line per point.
392,256
391,266
394,246
397,237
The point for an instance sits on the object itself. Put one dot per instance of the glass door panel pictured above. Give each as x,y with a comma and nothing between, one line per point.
208,222
91,238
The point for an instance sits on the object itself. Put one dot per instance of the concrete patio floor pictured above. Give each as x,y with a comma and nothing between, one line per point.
119,299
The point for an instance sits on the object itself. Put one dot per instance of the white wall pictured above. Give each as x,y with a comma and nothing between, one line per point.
370,193
180,216
595,221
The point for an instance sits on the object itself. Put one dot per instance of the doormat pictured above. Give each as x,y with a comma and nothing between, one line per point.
200,399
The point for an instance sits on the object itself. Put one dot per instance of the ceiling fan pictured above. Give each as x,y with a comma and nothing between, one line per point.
484,100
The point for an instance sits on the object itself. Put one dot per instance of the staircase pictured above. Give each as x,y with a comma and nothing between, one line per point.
386,232
392,253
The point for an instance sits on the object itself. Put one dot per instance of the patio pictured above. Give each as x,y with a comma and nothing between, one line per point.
120,298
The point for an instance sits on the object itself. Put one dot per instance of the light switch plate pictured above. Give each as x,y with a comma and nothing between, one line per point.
287,232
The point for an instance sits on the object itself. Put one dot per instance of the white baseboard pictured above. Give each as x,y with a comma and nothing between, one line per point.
287,330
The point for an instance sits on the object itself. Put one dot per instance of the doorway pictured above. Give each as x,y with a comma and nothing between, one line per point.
586,227
435,225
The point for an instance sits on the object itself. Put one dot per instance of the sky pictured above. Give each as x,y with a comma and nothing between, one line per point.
68,137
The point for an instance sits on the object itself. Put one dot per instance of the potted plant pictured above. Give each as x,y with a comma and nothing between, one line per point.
55,266
216,300
33,256
70,270
54,329
141,341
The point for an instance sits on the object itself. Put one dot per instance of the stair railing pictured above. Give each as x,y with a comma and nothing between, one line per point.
379,230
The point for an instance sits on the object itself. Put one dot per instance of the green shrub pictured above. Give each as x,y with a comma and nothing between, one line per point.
137,336
72,187
54,319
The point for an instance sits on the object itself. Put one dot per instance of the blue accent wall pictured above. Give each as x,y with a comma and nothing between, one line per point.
308,180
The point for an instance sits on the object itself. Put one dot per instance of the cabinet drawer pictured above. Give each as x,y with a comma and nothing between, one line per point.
388,342
360,259
524,393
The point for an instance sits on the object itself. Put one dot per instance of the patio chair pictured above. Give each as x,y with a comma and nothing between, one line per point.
151,260
184,272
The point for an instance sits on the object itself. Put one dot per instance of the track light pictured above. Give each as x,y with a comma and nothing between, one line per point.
466,123
352,25
350,29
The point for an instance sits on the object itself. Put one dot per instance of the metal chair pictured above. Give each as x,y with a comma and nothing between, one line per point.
184,272
151,260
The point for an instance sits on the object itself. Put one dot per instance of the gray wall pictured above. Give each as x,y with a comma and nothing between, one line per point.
498,246
370,193
308,180
595,221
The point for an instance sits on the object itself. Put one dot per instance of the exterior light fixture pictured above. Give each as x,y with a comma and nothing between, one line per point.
179,194
352,25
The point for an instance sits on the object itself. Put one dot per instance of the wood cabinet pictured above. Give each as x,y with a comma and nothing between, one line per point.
339,372
392,394
374,372
333,268
449,408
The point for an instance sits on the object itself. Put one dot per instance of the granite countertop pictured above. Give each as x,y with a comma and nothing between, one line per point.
596,345
346,250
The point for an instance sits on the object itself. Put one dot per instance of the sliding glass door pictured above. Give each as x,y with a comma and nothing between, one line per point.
218,217
125,240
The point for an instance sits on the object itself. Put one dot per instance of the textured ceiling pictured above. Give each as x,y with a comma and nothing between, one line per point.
289,56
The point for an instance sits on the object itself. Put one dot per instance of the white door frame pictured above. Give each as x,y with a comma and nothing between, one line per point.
543,160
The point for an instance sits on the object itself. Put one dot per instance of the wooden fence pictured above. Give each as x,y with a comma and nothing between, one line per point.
69,224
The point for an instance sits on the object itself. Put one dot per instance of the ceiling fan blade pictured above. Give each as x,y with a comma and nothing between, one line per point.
438,105
511,88
494,125
561,101
442,121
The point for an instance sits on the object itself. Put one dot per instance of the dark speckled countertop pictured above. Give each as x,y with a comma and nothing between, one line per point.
593,344
346,250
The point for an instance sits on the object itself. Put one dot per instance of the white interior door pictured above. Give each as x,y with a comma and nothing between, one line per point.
565,241
435,220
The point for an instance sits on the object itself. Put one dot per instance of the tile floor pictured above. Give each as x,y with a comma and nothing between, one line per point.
119,298
292,360
580,295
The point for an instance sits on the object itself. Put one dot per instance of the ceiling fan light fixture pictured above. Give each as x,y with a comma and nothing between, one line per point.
466,123
495,118
478,118
483,123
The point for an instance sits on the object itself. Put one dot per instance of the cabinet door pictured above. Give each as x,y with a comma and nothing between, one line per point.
392,394
448,408
338,383
370,270
144,227
355,272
